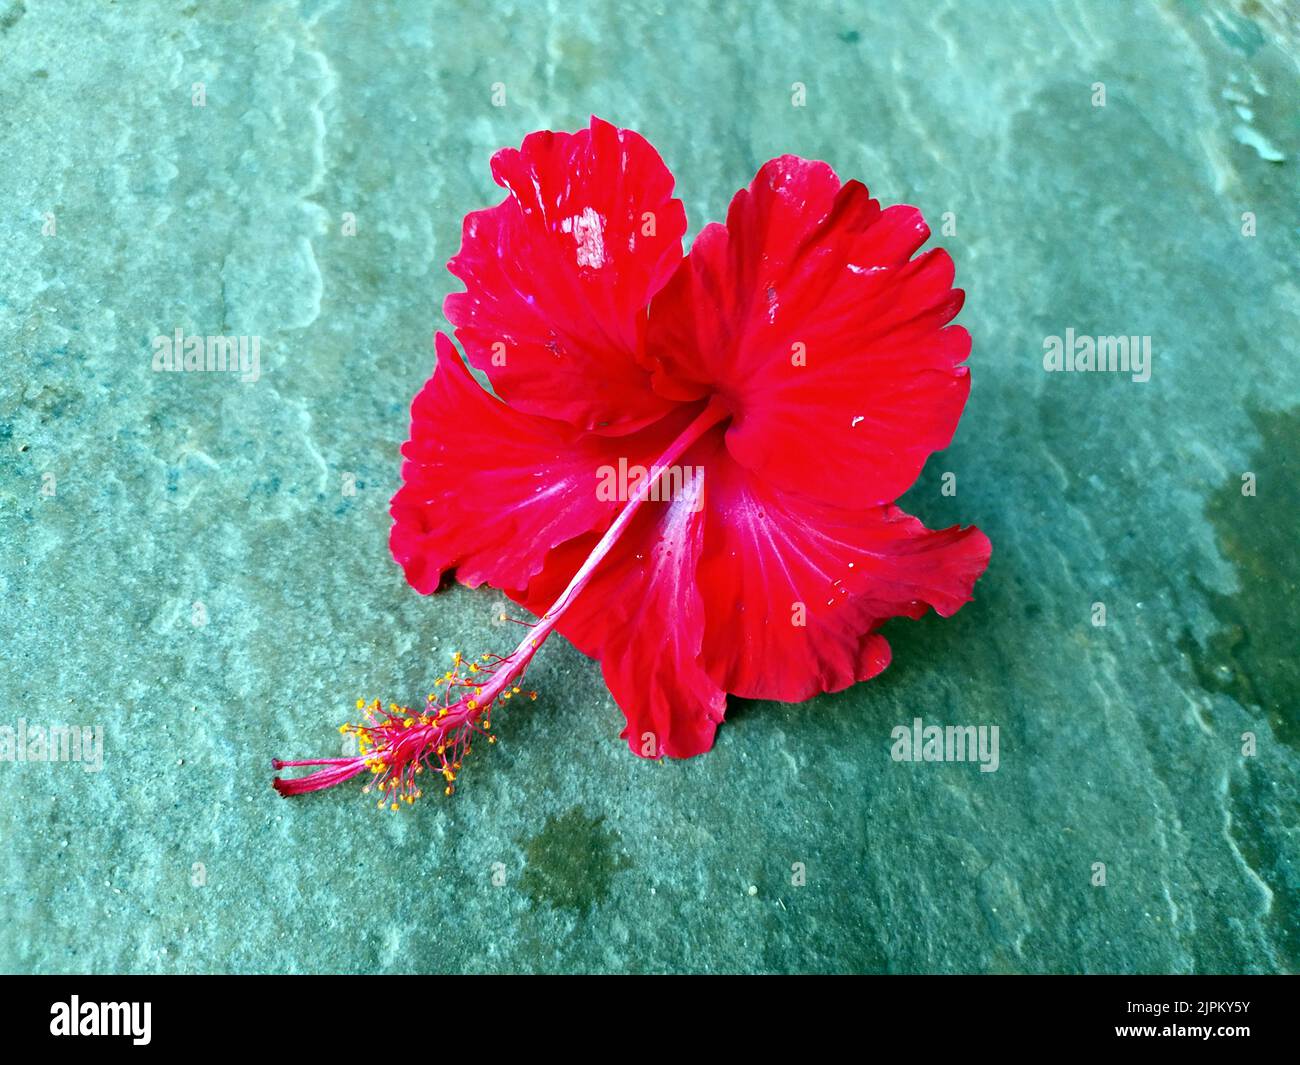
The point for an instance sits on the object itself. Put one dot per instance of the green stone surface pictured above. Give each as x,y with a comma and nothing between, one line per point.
128,496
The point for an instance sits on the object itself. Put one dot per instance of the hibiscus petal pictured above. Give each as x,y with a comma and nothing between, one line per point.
793,592
643,617
795,589
489,490
651,660
808,314
559,274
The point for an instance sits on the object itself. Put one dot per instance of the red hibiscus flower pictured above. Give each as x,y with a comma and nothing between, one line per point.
690,464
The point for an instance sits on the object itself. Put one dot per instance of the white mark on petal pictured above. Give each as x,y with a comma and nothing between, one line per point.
588,231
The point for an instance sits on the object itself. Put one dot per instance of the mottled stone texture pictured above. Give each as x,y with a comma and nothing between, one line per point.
1120,744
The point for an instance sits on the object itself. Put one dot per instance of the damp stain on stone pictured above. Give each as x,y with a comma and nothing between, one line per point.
10,17
570,864
1251,656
